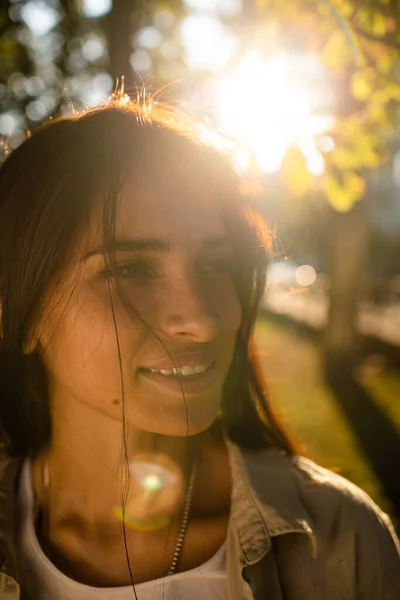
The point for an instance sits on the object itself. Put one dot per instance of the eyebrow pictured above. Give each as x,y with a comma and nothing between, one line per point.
153,245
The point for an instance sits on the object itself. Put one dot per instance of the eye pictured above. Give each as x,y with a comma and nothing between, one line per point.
128,270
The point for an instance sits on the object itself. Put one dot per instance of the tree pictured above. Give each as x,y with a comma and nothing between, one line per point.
77,60
359,44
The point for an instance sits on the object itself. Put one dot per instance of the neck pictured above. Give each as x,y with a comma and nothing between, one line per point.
82,535
88,464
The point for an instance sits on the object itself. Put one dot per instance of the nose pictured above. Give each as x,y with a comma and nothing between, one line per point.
186,312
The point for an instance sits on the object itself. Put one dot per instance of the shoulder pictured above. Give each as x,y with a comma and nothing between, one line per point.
328,495
293,483
336,510
351,527
354,538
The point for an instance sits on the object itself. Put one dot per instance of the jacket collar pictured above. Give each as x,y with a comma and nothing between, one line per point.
265,501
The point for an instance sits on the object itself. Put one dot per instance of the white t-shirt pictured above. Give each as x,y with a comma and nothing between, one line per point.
46,582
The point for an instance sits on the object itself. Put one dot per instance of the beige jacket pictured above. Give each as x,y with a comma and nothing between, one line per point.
296,532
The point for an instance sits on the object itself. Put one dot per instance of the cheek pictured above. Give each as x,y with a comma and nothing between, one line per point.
82,340
225,302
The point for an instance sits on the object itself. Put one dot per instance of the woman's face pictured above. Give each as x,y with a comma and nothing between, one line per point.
174,264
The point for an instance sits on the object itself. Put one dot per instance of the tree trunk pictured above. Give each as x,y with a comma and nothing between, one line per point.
346,253
119,39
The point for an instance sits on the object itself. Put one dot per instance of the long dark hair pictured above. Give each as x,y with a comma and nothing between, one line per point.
47,190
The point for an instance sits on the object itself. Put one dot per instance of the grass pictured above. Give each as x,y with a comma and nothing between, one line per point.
310,412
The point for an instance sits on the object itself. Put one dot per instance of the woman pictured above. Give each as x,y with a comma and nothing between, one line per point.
143,458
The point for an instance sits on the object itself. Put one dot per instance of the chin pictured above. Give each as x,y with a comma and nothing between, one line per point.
192,428
179,423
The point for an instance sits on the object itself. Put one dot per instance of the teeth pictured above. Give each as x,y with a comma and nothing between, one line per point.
188,371
185,371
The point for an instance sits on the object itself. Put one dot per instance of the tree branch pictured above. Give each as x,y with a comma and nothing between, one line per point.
385,41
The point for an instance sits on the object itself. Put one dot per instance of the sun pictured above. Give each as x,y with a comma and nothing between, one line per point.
267,106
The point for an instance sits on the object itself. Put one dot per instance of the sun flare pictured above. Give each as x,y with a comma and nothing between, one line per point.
270,105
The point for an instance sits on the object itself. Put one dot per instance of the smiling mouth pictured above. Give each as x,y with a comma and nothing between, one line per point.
180,372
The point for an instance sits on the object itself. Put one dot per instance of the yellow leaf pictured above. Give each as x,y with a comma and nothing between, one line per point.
384,61
362,84
379,24
336,53
295,174
338,196
355,185
393,90
377,112
343,158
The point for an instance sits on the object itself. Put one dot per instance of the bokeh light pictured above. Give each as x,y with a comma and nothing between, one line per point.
207,43
93,47
39,16
36,110
224,8
305,275
147,37
7,123
140,61
96,8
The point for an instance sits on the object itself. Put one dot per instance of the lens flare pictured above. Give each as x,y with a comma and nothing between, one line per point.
155,489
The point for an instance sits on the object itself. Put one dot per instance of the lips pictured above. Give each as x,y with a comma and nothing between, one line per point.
182,360
191,385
